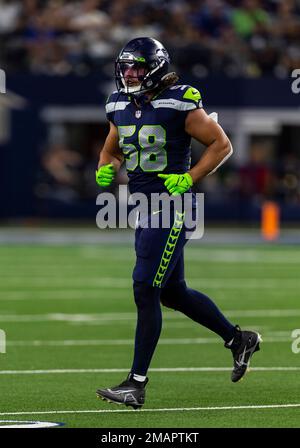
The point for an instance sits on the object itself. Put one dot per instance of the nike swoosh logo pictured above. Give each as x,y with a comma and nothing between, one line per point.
242,357
155,213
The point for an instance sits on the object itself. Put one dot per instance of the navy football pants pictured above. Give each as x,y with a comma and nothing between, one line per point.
158,277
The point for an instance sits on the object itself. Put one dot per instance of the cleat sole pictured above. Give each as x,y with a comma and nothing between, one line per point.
135,407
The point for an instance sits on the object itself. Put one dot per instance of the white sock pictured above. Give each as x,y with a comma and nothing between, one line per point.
139,377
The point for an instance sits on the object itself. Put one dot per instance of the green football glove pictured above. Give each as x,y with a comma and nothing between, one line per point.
105,175
177,184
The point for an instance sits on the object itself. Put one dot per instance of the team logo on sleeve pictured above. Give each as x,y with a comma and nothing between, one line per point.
192,94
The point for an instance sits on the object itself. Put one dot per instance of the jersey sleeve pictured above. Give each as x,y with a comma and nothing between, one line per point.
192,97
110,107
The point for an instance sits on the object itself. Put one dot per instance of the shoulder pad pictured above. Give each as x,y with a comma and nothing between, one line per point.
193,94
187,94
116,96
116,101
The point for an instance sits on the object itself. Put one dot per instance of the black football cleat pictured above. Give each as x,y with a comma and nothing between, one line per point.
243,346
129,393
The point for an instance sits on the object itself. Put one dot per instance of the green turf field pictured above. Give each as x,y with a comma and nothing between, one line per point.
69,317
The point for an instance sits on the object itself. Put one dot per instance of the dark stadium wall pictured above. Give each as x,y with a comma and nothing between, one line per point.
19,161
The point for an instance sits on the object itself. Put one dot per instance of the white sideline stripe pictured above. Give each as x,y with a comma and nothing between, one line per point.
242,253
258,259
58,294
129,342
191,253
104,317
22,424
158,370
206,408
92,282
119,284
76,276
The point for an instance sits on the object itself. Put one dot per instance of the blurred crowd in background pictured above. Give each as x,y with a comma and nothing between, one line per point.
235,37
232,38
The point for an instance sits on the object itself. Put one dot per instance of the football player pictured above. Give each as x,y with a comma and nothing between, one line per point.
152,119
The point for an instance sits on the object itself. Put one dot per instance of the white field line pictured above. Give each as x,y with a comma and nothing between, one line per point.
157,370
25,424
115,317
43,284
170,324
67,294
115,295
126,282
112,294
224,257
198,253
118,284
93,281
127,342
69,263
207,408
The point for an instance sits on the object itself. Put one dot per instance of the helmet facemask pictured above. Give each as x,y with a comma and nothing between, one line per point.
131,75
136,77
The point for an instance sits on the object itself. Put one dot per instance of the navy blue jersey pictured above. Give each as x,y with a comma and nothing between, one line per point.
152,137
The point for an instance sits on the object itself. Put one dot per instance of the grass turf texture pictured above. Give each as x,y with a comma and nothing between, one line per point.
72,308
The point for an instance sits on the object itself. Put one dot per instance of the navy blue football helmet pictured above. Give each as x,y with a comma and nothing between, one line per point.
141,66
